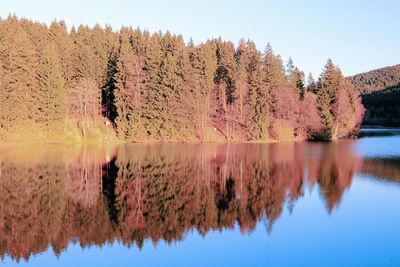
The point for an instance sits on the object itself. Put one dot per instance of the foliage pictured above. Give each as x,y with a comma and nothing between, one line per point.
376,80
155,87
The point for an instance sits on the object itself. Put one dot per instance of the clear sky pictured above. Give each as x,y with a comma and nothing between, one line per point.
358,35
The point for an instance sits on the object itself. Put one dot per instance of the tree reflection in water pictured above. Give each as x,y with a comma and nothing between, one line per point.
97,195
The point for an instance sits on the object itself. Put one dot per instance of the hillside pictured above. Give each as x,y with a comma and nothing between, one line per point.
382,107
376,80
380,90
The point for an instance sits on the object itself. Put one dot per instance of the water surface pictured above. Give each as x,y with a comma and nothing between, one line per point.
289,204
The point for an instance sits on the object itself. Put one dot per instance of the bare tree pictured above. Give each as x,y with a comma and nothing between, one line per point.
84,103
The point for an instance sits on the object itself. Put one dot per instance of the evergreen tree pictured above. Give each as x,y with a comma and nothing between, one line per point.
289,69
328,85
297,82
52,91
274,79
155,109
339,104
58,35
129,94
225,93
258,98
19,60
311,84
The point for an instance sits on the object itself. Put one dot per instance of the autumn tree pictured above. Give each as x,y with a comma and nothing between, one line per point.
309,119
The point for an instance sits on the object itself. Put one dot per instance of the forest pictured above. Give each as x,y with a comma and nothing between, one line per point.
95,83
380,95
376,80
382,107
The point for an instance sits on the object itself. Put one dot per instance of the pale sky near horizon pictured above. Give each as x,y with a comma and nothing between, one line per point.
358,35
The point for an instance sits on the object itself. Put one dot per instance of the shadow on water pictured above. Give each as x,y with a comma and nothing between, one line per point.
51,196
378,132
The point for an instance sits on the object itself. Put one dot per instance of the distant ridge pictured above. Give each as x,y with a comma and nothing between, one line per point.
376,80
380,90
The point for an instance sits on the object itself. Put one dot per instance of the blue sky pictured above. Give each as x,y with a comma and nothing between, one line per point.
357,35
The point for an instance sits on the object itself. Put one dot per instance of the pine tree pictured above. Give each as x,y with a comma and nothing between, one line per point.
83,58
196,98
58,35
258,97
19,60
129,94
297,82
289,69
225,93
154,111
328,85
311,84
274,79
52,91
338,104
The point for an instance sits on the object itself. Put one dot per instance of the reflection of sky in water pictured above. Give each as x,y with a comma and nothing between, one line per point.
363,231
372,147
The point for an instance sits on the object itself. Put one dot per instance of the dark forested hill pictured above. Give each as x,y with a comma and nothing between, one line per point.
376,80
380,91
382,107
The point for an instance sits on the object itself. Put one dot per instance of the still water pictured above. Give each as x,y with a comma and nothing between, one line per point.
290,204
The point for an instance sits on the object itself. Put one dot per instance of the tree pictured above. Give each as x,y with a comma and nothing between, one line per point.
295,77
258,99
328,85
225,90
336,101
19,88
311,84
58,35
130,95
52,91
196,98
276,85
309,119
83,103
348,110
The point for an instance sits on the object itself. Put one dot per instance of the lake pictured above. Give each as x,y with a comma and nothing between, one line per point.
288,204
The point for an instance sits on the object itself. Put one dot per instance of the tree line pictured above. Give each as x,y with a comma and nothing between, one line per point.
382,107
376,80
380,95
94,81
